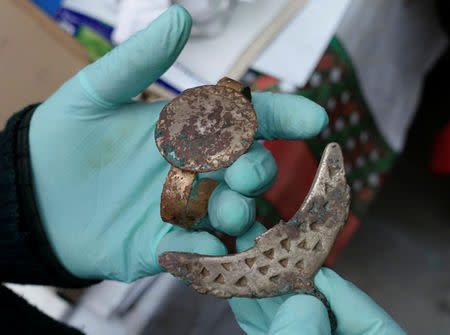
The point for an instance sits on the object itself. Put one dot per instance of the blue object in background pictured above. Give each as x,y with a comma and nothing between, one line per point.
48,6
73,21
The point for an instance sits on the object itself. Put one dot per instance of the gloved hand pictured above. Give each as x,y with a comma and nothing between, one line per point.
356,313
98,175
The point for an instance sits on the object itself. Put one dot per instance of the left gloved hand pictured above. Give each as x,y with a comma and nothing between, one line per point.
98,174
356,313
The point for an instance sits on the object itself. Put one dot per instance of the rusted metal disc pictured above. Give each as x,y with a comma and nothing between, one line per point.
206,128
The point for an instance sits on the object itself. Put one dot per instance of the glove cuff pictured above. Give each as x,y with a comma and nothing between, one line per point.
47,269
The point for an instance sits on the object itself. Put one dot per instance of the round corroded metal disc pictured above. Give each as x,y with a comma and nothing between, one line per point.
206,128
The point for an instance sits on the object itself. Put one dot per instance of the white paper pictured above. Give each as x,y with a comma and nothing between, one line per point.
135,15
180,77
211,58
293,55
203,60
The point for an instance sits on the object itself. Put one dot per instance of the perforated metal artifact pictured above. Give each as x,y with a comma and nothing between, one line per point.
206,128
284,259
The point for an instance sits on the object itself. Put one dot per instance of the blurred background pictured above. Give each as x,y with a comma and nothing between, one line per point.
380,68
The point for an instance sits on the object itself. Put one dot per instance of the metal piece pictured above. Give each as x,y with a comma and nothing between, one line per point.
284,259
237,86
228,82
175,197
182,202
206,128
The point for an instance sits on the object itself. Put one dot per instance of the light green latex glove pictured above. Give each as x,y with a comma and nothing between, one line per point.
98,175
356,313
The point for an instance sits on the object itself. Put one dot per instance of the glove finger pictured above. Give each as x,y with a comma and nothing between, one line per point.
290,117
247,240
252,173
190,241
356,312
301,314
229,211
249,315
132,66
218,175
255,315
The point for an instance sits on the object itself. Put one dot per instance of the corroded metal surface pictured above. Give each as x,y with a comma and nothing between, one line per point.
237,86
206,128
284,259
175,197
228,82
182,201
197,206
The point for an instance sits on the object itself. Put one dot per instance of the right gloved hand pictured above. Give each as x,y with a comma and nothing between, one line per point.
356,312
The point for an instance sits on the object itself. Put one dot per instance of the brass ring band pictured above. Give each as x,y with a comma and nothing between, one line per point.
180,204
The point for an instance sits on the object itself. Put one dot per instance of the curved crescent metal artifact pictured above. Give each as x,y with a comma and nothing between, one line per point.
284,259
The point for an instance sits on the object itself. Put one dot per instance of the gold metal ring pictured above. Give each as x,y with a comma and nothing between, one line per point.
204,129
